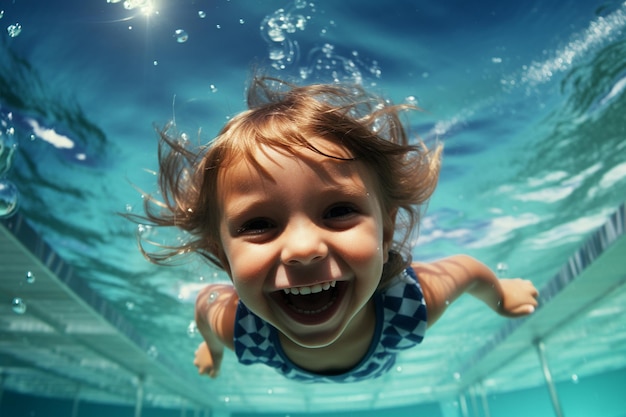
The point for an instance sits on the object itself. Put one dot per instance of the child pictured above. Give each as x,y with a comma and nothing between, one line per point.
299,200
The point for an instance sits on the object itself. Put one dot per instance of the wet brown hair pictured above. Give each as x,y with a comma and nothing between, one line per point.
289,118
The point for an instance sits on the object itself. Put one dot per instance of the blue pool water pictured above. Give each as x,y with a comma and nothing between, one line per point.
528,98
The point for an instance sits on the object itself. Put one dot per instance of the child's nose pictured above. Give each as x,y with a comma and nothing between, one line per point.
303,244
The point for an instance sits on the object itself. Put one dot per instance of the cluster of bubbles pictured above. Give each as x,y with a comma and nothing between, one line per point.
17,304
14,29
182,36
600,31
277,30
323,63
9,194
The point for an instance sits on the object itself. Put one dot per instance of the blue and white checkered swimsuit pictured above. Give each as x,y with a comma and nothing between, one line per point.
400,324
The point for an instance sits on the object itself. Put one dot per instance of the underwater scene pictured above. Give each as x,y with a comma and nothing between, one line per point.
527,98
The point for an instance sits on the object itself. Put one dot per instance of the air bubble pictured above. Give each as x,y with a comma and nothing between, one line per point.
241,21
153,352
328,49
300,22
192,329
213,89
9,198
411,100
30,277
1,14
276,54
300,4
375,70
276,34
14,30
502,269
18,305
201,14
144,230
181,36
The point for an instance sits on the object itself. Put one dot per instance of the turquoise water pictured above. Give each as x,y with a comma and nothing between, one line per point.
528,99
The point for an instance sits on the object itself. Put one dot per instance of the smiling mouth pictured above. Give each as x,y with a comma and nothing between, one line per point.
312,304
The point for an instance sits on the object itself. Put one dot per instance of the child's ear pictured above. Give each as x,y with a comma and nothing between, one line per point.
389,228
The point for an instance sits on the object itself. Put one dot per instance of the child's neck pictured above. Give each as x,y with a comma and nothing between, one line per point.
344,353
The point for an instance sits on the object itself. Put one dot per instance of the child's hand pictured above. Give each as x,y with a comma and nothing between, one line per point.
206,362
519,297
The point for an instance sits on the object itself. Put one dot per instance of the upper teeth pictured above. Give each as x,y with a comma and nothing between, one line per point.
310,290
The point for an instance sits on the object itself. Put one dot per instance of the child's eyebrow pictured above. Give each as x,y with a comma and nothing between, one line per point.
351,189
242,205
250,201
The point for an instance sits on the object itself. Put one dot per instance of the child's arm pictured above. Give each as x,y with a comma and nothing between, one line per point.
445,280
216,307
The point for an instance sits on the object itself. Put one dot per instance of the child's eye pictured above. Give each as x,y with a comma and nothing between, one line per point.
255,227
340,211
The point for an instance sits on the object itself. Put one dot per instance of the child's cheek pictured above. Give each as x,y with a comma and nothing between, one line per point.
366,243
246,268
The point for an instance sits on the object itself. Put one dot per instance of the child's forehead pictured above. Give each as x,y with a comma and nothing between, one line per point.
254,149
329,162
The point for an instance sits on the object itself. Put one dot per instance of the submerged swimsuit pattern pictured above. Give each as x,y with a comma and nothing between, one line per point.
400,324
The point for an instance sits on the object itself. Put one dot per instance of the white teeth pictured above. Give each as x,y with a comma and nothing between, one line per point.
310,290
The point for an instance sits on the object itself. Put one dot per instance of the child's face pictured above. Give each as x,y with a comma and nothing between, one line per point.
310,222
